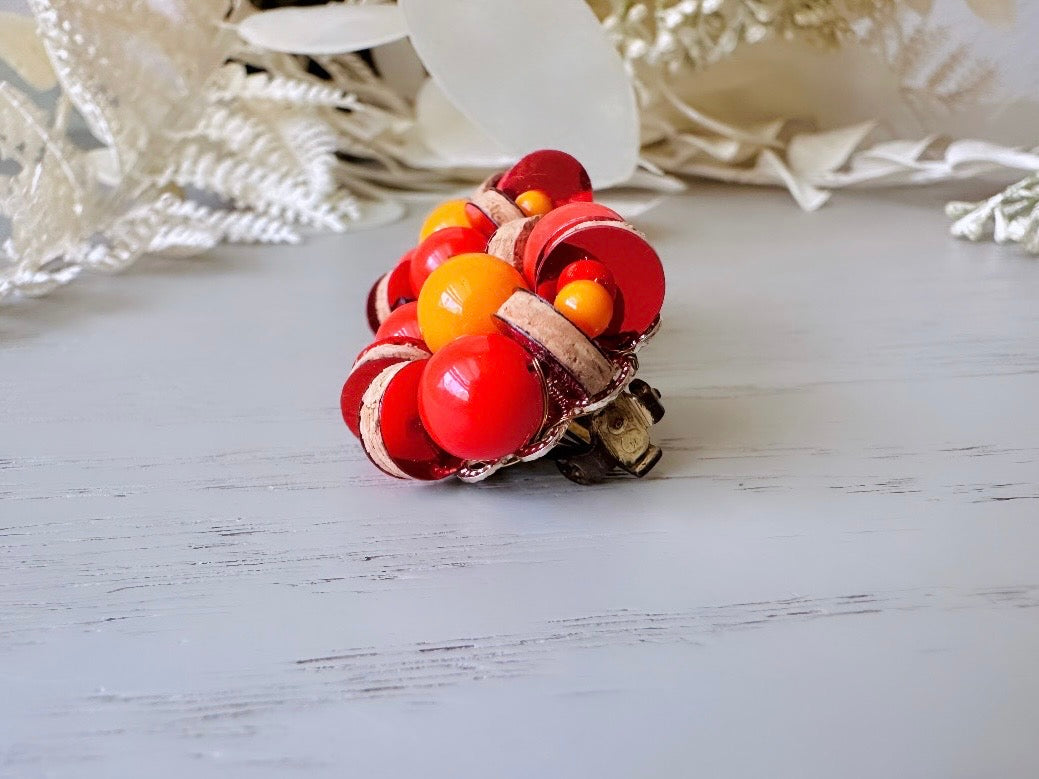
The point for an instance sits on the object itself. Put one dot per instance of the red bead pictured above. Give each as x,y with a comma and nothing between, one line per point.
441,246
482,397
588,270
404,437
547,289
403,321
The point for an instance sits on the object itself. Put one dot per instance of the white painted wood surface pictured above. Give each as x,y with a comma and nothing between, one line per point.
832,573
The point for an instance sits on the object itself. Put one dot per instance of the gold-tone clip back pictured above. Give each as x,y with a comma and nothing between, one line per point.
613,439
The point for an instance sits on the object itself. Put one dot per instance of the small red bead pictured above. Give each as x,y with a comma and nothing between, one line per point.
482,397
403,321
441,246
406,440
588,270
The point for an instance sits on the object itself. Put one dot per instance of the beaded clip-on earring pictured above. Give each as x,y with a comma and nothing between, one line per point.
509,333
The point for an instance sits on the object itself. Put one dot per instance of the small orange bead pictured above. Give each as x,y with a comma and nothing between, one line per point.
461,297
448,214
534,202
587,304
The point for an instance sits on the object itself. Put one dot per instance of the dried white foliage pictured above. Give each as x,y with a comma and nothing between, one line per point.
677,34
203,139
770,92
1012,216
24,52
196,135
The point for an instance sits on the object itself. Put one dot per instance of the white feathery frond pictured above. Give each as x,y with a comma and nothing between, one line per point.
1011,216
232,82
236,226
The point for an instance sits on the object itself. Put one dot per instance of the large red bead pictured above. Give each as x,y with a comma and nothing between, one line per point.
482,397
440,247
402,321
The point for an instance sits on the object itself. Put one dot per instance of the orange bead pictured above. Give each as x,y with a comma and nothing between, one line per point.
461,297
587,304
448,214
534,202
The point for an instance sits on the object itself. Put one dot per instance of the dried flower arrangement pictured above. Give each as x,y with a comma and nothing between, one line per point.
196,138
208,122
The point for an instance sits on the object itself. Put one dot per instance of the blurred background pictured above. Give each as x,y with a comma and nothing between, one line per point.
170,126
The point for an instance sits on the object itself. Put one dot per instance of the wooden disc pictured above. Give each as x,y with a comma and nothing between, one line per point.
497,207
509,241
574,365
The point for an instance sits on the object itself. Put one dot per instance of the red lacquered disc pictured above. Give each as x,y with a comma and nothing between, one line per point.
369,364
405,439
391,291
556,173
636,270
375,306
479,220
556,223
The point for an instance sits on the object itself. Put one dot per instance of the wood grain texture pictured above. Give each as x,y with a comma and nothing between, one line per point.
832,573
